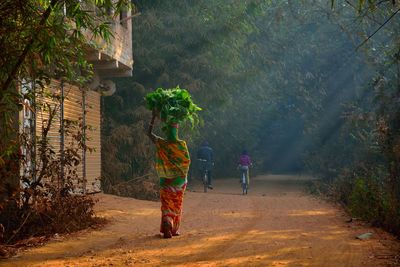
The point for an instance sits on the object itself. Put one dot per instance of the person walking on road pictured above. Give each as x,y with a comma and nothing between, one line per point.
172,165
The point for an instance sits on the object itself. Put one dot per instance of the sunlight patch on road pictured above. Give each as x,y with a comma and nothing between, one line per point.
311,213
257,236
233,214
277,177
139,212
252,260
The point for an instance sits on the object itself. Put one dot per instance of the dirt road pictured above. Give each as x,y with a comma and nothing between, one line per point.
277,224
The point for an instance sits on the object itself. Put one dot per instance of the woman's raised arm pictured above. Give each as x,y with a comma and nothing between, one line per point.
150,133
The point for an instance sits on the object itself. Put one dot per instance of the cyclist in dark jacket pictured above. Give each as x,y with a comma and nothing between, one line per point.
206,153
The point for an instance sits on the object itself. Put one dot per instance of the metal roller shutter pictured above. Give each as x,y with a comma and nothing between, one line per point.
73,119
46,103
93,158
71,109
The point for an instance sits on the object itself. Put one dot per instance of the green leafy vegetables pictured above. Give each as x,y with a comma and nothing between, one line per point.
173,105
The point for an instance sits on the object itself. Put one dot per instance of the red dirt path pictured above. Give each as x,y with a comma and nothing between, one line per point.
277,224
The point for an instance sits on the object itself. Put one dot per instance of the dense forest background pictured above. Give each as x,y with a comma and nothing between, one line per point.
293,82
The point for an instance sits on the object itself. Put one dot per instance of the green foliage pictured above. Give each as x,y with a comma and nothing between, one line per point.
174,106
366,200
369,5
40,40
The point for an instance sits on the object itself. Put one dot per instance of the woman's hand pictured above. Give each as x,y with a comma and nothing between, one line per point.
156,113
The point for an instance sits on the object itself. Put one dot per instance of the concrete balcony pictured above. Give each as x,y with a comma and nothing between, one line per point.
114,59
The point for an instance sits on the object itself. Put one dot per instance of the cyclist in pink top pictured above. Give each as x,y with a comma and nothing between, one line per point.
244,165
244,159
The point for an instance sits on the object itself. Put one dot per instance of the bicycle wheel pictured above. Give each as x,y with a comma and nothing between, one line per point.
243,184
205,182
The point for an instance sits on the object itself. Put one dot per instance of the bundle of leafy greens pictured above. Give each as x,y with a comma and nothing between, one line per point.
174,106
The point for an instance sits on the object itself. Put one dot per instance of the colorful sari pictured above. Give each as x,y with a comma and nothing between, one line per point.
172,165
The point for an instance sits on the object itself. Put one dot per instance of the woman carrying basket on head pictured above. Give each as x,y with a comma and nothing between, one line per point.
172,155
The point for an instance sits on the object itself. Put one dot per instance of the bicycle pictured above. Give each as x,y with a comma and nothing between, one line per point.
244,179
204,173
